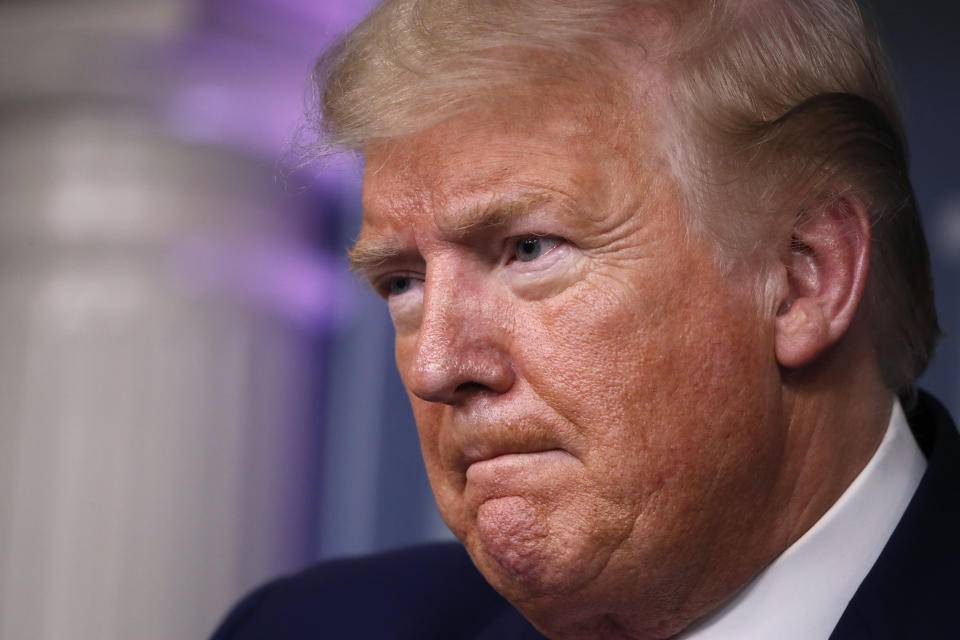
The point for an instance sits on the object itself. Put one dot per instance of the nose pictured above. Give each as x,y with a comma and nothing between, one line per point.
460,350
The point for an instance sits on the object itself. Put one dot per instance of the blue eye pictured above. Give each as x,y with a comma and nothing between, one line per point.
532,247
399,285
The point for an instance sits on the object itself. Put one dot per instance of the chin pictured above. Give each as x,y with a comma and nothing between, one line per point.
526,556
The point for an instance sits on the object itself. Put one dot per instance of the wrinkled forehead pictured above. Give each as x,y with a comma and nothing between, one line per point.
493,141
468,158
534,158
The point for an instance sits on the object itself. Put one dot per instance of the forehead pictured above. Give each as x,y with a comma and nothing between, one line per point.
527,146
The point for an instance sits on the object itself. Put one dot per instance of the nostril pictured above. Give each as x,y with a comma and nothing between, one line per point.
469,387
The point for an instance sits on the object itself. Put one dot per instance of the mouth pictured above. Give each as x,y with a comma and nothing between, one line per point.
483,441
475,457
485,452
517,473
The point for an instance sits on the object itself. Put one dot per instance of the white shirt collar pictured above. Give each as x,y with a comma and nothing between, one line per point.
803,593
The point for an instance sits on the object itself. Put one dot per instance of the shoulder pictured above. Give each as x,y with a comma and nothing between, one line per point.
431,591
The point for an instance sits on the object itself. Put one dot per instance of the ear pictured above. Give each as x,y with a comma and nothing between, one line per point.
826,270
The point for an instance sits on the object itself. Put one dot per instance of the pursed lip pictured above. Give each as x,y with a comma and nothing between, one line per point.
481,452
470,439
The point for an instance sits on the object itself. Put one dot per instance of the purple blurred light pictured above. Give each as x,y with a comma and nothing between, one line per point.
280,277
306,25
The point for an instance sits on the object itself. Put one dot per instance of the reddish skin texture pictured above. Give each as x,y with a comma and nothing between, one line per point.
604,427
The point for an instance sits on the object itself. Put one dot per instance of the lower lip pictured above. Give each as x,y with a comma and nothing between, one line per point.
513,466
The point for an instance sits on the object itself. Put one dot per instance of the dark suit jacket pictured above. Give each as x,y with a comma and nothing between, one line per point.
434,592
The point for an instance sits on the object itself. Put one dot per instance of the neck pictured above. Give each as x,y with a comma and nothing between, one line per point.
835,415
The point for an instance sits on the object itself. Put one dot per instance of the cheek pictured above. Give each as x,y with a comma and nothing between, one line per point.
596,356
648,376
428,417
669,415
446,481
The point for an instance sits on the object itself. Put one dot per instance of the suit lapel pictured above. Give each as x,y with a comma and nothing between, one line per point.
913,589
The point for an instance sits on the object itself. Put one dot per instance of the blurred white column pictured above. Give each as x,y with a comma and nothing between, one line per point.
155,379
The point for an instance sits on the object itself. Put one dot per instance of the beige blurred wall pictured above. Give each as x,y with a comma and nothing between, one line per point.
155,412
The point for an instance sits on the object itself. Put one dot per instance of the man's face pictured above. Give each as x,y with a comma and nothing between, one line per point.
596,402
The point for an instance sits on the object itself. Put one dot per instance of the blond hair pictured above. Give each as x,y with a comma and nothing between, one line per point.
772,100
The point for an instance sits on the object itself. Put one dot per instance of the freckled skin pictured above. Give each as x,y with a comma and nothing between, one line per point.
647,373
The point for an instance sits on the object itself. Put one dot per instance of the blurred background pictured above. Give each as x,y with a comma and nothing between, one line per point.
194,394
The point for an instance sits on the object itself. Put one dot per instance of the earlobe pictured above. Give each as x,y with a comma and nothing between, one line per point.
802,334
826,266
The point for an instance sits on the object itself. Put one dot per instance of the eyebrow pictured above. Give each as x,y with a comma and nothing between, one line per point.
371,251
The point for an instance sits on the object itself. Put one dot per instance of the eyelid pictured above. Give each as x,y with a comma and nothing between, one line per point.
513,241
381,284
